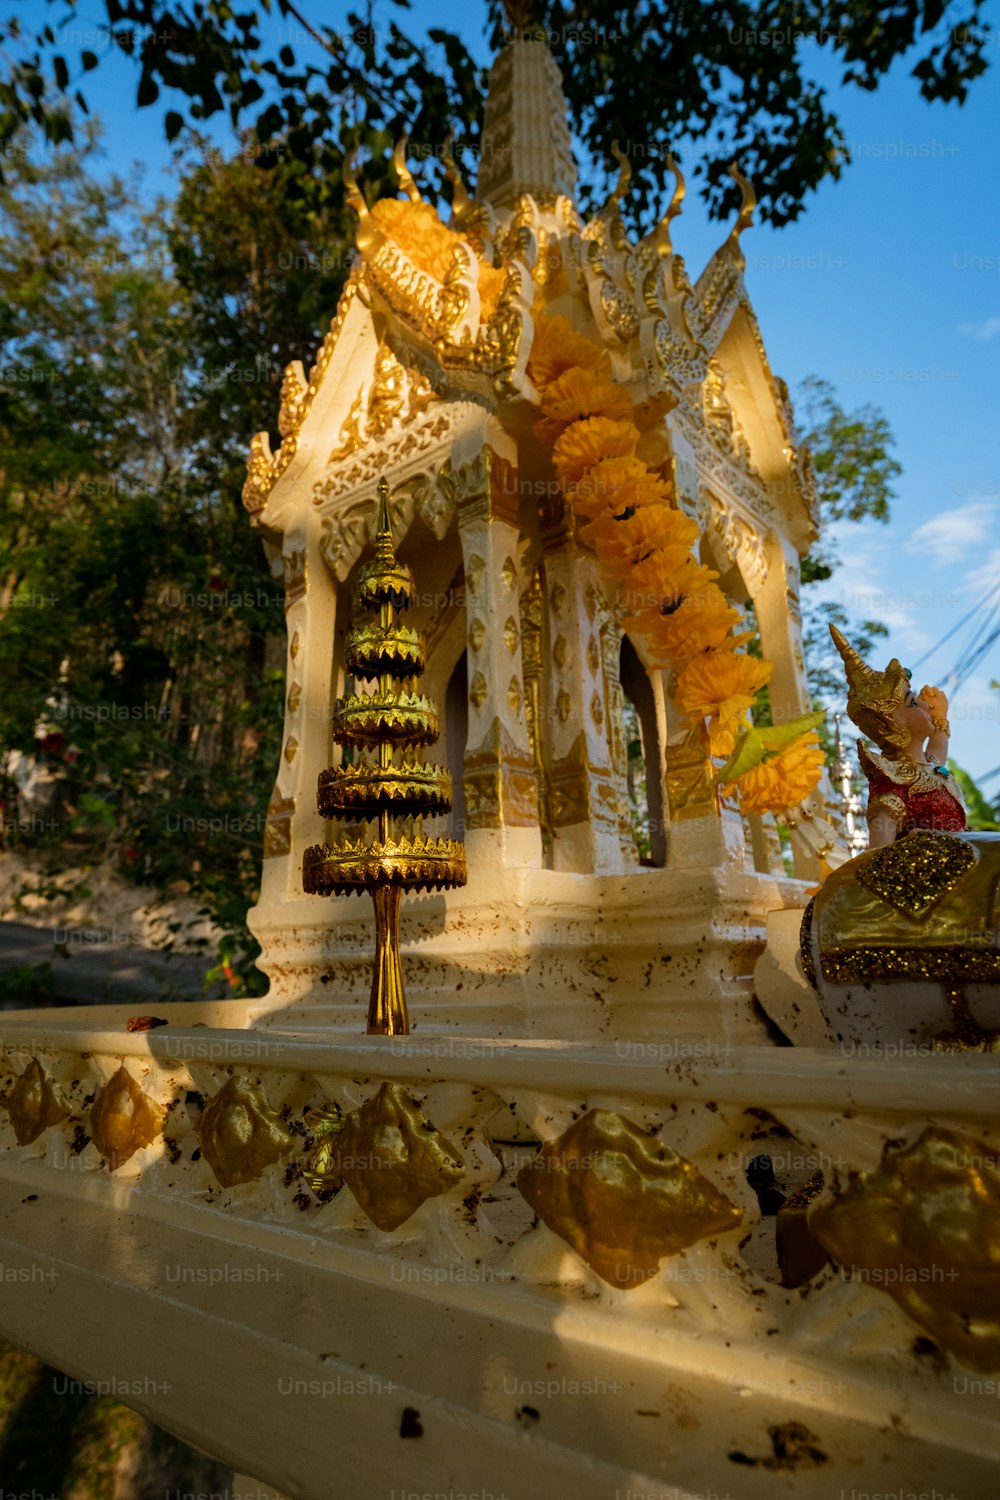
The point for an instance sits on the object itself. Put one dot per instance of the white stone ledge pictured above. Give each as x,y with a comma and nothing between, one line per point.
959,1084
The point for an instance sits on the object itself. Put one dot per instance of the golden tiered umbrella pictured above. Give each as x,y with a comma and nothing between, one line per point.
392,723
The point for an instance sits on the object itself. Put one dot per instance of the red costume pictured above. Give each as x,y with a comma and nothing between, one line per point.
913,795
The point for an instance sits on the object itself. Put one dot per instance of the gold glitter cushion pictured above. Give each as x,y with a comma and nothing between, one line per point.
916,871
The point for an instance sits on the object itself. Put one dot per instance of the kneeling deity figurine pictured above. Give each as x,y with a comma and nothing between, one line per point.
902,943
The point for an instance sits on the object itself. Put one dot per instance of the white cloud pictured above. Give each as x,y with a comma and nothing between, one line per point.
987,329
949,536
986,576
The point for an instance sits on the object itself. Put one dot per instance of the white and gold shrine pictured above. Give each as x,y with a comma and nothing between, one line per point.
425,383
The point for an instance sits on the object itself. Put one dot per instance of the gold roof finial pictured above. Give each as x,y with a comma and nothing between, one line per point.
664,244
745,217
872,696
460,193
355,196
406,181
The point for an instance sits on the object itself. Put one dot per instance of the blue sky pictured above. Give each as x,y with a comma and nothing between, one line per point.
889,287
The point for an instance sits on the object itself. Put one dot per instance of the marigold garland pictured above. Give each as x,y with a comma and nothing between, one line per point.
645,544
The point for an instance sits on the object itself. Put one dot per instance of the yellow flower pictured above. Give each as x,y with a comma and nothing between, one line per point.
578,393
608,486
668,579
781,782
720,687
701,622
585,443
622,544
557,347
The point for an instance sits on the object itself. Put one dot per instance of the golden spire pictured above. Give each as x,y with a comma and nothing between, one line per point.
392,723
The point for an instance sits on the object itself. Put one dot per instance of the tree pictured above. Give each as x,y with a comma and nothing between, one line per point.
137,614
705,81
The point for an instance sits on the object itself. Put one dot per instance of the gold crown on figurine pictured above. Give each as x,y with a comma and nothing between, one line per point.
872,696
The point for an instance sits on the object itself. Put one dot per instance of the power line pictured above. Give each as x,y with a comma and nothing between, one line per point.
963,621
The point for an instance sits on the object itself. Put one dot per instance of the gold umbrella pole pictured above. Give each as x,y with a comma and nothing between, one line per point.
390,721
387,1015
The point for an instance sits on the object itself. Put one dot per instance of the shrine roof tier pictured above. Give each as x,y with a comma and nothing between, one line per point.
434,329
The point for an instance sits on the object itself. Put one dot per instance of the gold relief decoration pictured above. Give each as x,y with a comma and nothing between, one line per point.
123,1119
392,1158
326,1122
597,710
560,651
557,598
514,696
477,634
35,1103
240,1134
511,634
294,697
296,575
500,782
581,792
690,780
474,570
291,749
590,597
395,395
564,705
622,1198
278,826
478,690
400,447
294,388
509,572
914,873
293,649
264,468
924,1228
593,655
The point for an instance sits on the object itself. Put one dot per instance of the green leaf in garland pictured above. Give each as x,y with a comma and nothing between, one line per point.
754,745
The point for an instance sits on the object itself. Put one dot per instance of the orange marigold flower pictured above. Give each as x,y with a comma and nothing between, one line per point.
585,443
720,687
622,544
578,393
700,623
671,577
607,487
557,347
784,780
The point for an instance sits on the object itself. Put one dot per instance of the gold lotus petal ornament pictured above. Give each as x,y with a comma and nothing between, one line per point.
925,1228
123,1119
392,1158
35,1104
621,1198
240,1134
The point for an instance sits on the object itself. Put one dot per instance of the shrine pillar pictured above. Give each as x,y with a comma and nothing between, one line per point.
499,782
583,795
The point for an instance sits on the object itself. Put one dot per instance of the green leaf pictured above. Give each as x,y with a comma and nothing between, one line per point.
755,744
